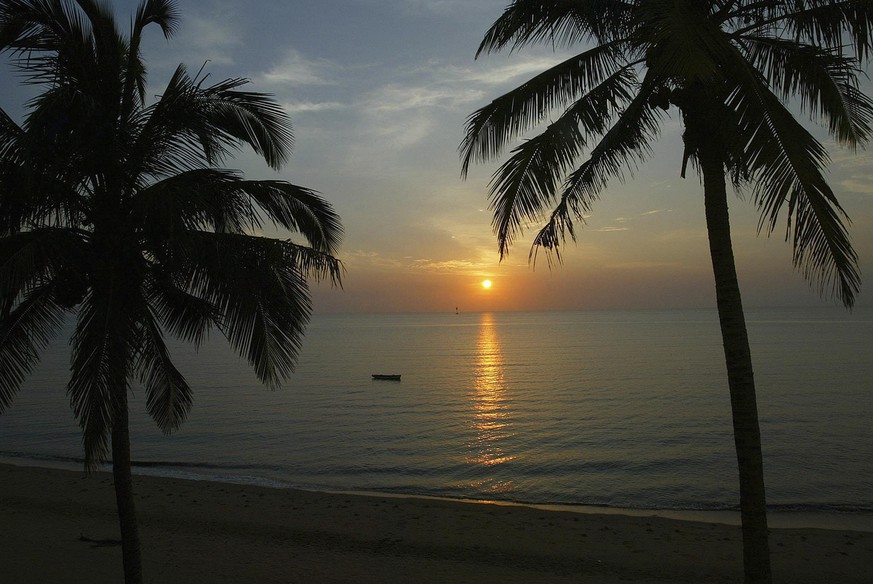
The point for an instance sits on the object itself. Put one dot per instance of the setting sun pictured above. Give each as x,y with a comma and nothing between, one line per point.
486,284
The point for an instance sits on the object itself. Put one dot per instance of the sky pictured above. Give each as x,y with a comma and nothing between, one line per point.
378,92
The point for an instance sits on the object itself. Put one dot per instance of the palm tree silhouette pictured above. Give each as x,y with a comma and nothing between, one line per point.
113,209
730,67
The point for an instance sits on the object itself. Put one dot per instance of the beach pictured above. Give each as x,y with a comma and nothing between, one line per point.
59,526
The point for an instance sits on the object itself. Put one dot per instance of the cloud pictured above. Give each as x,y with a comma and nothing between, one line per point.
857,184
397,116
393,135
210,39
489,74
295,69
404,111
445,7
852,169
625,220
369,259
449,265
312,106
362,259
449,87
643,266
682,235
393,98
846,159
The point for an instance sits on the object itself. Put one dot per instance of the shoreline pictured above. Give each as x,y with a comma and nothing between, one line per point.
833,521
202,531
778,519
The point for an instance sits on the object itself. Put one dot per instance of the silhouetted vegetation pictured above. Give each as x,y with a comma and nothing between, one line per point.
112,210
731,69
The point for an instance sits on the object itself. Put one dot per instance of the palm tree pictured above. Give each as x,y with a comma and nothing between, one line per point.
112,209
732,69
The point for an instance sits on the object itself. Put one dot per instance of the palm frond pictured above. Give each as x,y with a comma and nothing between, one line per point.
191,125
10,135
109,46
822,250
27,25
185,316
490,128
823,23
680,40
314,263
31,198
170,135
104,343
553,234
203,199
825,81
560,22
221,200
90,393
160,12
298,209
251,118
263,299
622,148
259,289
53,43
25,332
525,184
785,163
69,136
168,396
32,258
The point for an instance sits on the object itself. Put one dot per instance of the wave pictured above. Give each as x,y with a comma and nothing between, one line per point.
143,463
255,474
36,457
204,465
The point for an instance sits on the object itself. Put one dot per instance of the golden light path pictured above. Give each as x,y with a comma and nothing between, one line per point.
491,409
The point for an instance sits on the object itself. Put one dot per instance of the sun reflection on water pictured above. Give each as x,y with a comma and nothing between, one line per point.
491,409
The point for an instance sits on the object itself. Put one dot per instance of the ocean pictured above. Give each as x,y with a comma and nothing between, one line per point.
617,409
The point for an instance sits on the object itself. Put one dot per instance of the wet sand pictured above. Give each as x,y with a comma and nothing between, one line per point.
205,532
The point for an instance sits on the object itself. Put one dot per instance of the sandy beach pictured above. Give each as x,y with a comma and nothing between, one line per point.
198,531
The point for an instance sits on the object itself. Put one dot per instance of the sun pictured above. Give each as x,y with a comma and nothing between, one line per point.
486,284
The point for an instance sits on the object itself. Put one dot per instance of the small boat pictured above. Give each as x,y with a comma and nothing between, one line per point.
386,377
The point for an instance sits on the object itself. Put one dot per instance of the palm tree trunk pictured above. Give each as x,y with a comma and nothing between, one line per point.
130,546
738,358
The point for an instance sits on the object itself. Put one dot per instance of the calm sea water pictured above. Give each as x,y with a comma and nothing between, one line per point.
625,409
